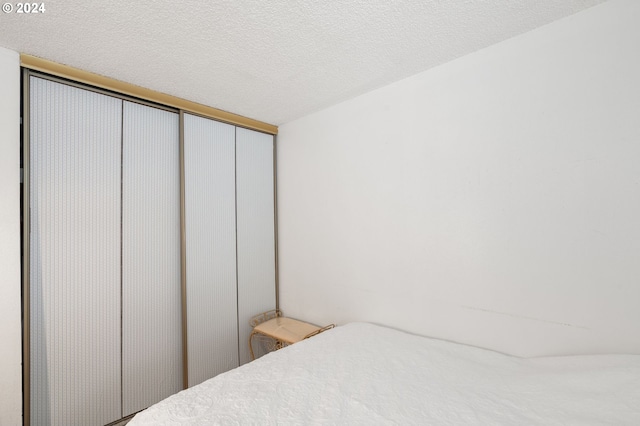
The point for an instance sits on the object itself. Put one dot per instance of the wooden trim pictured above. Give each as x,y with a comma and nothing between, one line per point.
65,71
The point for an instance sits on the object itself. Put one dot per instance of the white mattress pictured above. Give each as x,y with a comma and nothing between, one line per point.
365,374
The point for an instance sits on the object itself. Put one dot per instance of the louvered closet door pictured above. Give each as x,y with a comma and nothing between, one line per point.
75,255
256,234
151,293
210,247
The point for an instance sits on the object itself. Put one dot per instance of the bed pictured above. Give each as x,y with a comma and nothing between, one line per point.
361,373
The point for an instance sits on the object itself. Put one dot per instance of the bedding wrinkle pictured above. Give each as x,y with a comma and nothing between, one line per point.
362,374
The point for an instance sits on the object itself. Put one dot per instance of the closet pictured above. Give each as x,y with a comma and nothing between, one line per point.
151,243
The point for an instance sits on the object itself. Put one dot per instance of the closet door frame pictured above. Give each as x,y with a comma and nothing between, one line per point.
255,225
211,251
26,220
85,81
151,307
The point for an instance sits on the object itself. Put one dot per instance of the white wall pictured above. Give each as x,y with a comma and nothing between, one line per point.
10,325
494,200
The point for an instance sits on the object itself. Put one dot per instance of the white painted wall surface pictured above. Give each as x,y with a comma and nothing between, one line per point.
10,321
494,200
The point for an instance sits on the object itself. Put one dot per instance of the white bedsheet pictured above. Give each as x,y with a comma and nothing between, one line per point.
365,374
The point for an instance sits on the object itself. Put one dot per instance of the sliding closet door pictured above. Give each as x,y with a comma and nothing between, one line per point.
151,304
209,157
256,234
75,255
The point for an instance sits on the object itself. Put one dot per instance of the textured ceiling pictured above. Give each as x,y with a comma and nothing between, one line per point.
273,60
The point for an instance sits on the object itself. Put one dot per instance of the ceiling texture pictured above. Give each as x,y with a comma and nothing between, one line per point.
271,60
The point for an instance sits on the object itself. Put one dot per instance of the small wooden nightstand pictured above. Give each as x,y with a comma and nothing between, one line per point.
275,331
